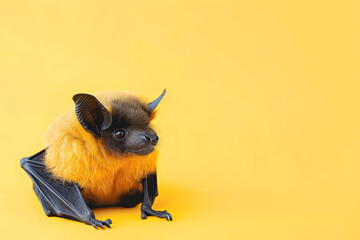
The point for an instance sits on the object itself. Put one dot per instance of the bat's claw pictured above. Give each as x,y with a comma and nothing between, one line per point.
148,211
108,222
96,223
168,217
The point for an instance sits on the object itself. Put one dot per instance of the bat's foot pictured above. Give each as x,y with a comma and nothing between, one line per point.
148,211
96,223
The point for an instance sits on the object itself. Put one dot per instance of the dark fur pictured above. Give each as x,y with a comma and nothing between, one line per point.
133,117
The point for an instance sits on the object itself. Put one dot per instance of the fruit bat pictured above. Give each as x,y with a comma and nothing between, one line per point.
101,153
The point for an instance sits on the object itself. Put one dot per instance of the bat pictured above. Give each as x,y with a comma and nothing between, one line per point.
101,153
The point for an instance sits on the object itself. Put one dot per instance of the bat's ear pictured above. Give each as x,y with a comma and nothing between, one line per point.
154,103
92,115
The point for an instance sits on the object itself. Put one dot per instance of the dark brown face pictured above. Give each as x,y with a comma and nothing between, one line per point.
126,130
129,131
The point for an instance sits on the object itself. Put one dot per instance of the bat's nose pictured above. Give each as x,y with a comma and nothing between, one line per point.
151,138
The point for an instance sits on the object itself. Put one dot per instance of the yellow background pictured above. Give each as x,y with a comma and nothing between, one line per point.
260,127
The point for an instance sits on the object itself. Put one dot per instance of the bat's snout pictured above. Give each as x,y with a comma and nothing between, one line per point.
150,137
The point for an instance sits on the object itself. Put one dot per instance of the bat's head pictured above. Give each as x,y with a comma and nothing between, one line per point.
122,127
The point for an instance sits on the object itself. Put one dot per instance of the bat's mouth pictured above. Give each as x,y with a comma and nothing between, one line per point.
142,151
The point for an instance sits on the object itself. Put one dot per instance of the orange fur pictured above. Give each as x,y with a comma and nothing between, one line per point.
78,156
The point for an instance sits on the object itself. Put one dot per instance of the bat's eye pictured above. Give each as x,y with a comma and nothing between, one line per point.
120,134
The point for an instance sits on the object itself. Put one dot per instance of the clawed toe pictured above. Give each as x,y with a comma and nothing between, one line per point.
169,217
96,223
107,222
147,211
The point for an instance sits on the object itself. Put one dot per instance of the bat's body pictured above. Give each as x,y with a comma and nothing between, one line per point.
101,154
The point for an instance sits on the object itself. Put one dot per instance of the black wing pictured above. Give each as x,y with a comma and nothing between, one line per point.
58,199
132,199
152,187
